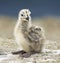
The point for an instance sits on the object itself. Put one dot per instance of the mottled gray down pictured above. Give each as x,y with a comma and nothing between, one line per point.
33,34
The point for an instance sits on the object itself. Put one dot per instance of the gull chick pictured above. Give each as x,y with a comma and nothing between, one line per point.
28,37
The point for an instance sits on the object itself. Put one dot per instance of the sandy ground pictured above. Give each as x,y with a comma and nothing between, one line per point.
51,51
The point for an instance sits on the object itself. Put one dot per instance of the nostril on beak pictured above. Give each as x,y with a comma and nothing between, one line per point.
27,18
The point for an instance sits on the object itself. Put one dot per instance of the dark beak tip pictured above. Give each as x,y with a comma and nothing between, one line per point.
27,18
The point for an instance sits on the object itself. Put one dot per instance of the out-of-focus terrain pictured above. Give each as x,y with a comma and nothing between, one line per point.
51,26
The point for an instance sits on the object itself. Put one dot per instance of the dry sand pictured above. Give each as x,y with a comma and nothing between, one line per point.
51,52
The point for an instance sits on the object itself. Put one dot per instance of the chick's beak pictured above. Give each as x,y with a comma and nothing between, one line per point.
27,18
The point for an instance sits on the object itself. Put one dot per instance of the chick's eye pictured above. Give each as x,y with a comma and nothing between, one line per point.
21,14
38,29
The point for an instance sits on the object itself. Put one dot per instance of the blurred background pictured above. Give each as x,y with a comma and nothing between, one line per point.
45,13
38,7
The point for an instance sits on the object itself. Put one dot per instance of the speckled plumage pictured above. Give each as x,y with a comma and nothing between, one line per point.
28,37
